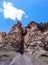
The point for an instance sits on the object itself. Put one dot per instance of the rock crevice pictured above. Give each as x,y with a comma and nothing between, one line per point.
23,40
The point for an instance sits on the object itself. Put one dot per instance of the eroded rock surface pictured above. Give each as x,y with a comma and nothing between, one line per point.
32,42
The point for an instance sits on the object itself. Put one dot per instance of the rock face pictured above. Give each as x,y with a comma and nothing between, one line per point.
14,39
15,36
2,36
31,41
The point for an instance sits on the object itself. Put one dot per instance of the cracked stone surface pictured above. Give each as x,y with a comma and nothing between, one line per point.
25,46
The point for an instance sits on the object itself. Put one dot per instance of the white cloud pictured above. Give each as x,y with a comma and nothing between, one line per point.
11,12
26,16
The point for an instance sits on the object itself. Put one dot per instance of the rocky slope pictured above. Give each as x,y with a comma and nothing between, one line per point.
31,41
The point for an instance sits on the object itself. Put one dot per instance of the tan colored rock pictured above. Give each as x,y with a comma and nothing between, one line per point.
34,26
33,30
2,36
46,41
15,36
34,36
31,41
46,38
44,28
1,39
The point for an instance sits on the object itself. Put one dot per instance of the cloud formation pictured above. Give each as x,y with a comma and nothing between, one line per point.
11,12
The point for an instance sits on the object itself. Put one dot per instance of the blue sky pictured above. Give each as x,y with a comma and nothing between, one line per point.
31,10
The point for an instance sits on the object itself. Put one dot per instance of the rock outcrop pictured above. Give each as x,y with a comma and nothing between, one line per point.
31,41
16,37
2,36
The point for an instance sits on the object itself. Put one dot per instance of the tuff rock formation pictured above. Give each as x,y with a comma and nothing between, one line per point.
31,41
